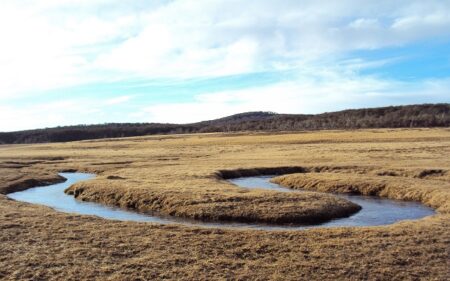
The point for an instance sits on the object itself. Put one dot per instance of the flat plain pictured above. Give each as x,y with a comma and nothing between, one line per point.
184,176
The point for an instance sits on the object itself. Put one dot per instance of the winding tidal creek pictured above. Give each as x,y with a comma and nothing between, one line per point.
375,210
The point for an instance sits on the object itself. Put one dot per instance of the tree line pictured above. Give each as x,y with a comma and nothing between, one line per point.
411,116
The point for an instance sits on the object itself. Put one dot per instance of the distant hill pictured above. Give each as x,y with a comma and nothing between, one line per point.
410,116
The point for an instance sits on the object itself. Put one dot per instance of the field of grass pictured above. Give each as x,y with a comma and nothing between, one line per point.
183,175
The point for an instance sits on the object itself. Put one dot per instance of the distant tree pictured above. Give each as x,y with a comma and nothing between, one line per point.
412,116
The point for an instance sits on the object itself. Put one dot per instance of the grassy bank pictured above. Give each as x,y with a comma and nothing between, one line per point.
434,193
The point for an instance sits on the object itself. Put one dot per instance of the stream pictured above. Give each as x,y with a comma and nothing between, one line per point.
375,210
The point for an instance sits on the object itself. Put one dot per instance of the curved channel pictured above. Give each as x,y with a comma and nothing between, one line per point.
375,210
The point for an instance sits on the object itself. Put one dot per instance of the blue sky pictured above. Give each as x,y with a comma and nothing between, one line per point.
65,62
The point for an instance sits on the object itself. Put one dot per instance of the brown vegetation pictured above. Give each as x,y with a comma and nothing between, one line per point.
40,243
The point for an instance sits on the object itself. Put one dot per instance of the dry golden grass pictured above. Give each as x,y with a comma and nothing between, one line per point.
182,174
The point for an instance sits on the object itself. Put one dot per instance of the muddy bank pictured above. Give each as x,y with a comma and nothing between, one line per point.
440,174
24,182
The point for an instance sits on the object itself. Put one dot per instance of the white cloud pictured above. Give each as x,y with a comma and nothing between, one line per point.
118,100
73,111
51,44
41,115
47,45
202,38
302,96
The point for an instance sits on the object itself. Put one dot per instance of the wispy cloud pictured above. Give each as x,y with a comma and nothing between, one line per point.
118,100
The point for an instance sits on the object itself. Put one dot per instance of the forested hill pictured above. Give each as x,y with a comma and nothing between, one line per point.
426,115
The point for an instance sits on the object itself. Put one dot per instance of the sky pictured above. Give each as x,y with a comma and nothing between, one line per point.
68,62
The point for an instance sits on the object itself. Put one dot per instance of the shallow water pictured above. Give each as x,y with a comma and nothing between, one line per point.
375,210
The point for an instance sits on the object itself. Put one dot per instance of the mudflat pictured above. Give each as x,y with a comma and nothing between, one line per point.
183,176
